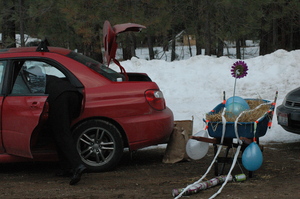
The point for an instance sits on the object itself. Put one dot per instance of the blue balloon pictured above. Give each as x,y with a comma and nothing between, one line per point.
238,100
235,108
252,157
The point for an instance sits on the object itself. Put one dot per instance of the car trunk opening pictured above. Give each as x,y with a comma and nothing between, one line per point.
109,39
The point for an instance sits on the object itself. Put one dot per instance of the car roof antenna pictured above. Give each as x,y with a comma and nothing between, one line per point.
43,46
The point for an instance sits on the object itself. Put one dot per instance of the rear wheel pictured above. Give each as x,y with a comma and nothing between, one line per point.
99,144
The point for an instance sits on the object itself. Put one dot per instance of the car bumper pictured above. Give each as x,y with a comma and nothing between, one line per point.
288,118
147,130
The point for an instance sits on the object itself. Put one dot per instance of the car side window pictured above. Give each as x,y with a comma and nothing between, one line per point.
2,67
31,78
51,70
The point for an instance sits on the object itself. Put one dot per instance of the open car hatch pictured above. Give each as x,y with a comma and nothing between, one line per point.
110,35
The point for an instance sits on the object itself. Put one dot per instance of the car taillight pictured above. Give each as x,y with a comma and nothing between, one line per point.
156,99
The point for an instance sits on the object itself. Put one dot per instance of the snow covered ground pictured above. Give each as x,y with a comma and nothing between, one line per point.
194,86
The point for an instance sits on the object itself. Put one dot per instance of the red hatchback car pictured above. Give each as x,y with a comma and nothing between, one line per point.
119,110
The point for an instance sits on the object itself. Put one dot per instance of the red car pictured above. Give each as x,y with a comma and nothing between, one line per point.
119,110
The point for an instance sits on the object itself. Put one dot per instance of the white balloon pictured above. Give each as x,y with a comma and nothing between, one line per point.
197,149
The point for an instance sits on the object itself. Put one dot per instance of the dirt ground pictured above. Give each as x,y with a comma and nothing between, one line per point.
143,175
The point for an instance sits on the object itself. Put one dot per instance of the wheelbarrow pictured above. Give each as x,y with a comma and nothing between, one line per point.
247,132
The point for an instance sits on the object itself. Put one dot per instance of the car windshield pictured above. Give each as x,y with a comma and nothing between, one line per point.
96,66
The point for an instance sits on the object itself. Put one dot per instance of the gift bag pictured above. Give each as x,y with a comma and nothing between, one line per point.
175,151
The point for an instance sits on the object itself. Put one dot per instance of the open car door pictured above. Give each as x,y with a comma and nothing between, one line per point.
22,110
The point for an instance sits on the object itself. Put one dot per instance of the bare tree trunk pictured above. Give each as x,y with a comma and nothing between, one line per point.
166,43
238,49
173,53
132,41
263,45
198,47
220,48
291,37
128,47
150,46
189,43
207,35
21,14
198,41
126,53
275,35
8,26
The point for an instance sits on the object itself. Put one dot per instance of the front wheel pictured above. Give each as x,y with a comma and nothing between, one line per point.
99,144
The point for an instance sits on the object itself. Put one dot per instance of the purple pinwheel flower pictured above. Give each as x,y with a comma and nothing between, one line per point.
239,69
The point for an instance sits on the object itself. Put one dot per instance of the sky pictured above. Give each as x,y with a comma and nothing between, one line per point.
194,86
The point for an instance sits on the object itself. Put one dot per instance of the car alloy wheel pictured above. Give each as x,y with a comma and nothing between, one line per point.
99,144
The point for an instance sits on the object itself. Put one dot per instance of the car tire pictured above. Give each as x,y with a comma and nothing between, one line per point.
99,144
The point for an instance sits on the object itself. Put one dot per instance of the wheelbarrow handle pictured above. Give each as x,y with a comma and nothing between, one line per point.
204,139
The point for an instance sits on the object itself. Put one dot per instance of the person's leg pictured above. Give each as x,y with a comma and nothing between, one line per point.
60,118
65,167
74,100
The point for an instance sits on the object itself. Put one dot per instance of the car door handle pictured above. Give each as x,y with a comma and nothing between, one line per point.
35,105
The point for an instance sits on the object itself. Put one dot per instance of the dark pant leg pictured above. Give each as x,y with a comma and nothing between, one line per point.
61,113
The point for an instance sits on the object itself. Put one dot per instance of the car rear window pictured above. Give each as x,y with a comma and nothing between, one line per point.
96,66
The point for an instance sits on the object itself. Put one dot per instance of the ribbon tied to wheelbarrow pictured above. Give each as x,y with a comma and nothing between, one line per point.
252,156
